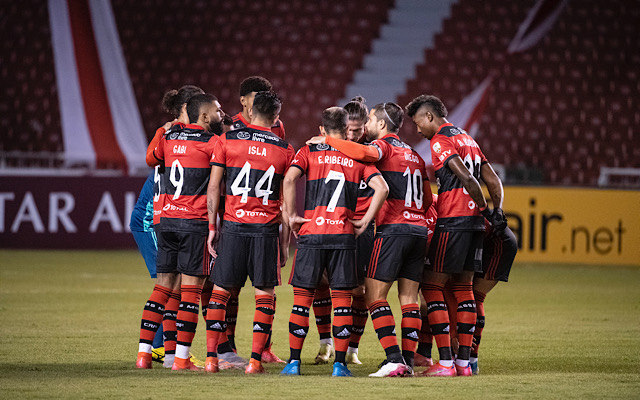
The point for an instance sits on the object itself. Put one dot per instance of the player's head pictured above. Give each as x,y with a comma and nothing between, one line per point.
334,122
248,89
428,113
205,110
358,116
384,118
266,108
175,101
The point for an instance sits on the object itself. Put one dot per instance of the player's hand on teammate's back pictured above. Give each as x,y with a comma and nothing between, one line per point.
284,256
317,140
498,219
359,226
210,241
295,222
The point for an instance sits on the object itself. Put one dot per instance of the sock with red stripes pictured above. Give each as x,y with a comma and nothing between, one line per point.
411,323
438,320
466,320
360,314
215,320
187,319
425,344
299,320
152,317
342,322
169,323
322,311
262,320
385,326
477,335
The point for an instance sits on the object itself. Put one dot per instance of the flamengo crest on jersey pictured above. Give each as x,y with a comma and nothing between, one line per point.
255,161
331,194
186,151
456,209
404,171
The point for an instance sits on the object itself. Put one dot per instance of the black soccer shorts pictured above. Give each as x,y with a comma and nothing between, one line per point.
183,252
452,252
240,256
364,247
309,265
497,255
396,257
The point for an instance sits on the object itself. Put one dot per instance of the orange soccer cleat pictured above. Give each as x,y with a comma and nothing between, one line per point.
254,367
211,365
144,360
183,364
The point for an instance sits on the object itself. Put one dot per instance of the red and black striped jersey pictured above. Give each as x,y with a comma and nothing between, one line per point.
456,209
158,187
404,170
255,161
331,195
239,122
186,152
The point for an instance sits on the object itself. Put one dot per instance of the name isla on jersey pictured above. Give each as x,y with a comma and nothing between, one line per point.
259,151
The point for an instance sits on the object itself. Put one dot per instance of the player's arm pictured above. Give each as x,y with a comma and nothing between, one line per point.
213,202
381,191
289,191
285,237
470,183
151,159
496,191
351,149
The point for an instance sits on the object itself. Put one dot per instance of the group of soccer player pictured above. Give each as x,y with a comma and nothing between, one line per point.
224,208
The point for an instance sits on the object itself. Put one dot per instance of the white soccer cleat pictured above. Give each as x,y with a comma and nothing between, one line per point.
391,370
233,359
352,356
325,353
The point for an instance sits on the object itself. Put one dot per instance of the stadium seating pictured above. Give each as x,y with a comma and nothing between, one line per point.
560,110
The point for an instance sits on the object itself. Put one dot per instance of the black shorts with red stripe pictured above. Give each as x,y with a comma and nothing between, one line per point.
239,256
364,247
310,263
395,257
452,252
183,252
497,255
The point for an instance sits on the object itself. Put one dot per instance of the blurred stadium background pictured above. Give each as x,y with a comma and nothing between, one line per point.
549,88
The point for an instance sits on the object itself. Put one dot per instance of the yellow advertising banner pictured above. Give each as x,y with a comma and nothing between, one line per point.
587,226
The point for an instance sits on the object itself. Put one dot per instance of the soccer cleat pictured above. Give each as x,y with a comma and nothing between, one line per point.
474,368
340,369
390,369
292,368
195,361
157,354
144,360
422,361
254,367
268,356
440,370
463,371
222,364
352,357
234,360
211,365
183,364
325,353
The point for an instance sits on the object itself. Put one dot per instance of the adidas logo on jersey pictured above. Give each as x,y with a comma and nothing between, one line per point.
300,332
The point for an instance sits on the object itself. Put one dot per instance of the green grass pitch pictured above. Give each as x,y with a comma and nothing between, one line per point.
70,325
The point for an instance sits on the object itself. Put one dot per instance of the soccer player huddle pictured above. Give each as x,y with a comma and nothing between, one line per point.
224,208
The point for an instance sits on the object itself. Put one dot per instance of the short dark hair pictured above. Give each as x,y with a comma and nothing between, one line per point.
267,104
254,84
357,109
391,113
195,104
335,119
435,105
173,100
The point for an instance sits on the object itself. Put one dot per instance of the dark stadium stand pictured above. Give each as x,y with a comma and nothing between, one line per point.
560,110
